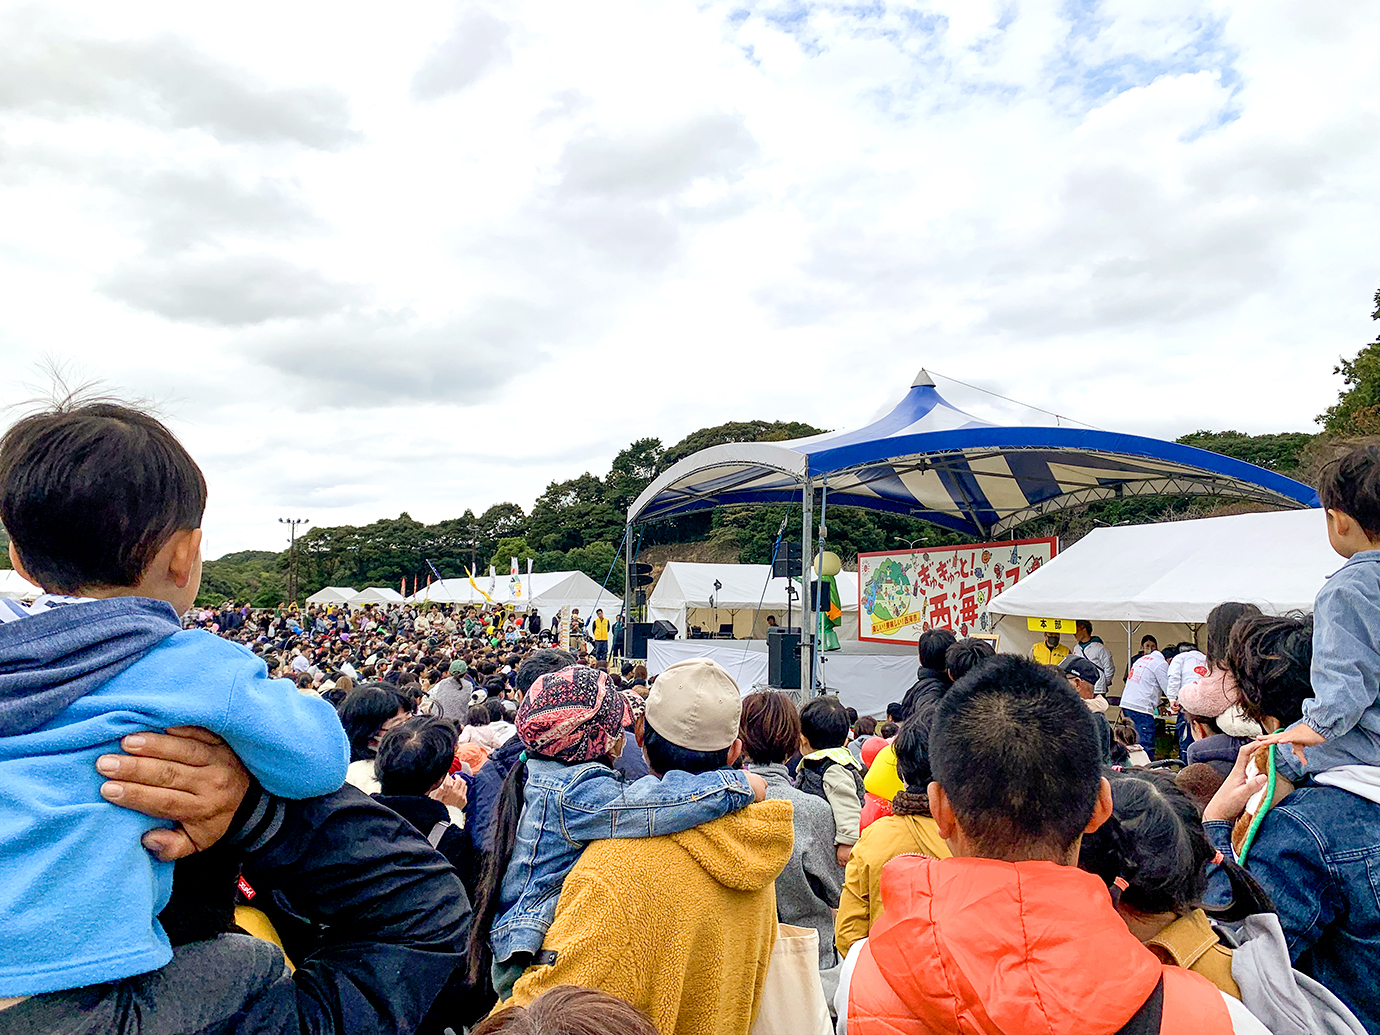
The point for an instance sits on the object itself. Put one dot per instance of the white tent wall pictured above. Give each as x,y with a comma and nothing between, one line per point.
16,587
546,591
683,595
333,595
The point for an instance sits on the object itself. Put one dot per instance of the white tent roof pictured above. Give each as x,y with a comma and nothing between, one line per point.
378,595
549,591
1178,571
15,586
691,584
332,595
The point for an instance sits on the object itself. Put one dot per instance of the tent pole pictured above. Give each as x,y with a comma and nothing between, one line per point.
627,592
807,557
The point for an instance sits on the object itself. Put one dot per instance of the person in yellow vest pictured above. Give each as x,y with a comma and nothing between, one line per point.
601,636
1051,652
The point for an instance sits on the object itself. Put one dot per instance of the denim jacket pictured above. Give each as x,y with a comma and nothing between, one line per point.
1345,673
567,806
1318,856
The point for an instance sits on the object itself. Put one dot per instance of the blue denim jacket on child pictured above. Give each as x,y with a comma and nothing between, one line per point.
1345,673
565,807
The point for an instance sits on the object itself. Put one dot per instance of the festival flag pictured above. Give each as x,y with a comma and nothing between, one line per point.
514,583
475,586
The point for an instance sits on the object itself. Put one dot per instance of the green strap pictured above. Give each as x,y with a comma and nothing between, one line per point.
1259,817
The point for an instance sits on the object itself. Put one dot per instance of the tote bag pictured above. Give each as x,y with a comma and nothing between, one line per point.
793,998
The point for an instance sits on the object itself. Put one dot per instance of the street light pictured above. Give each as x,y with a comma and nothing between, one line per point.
292,523
910,543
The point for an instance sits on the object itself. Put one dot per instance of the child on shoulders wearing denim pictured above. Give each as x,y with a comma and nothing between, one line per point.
1341,724
563,794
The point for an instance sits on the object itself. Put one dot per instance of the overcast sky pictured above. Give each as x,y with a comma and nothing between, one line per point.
429,256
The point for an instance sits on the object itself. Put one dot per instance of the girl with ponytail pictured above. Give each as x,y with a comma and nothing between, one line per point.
1154,857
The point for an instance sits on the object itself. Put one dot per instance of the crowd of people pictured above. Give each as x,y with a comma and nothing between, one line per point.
421,819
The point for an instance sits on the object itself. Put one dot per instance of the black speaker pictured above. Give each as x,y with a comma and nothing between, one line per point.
786,564
640,632
783,658
662,630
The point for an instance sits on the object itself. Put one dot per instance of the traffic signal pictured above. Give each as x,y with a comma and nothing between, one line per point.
639,575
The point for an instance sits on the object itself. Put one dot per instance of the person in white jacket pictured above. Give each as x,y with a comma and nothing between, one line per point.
1091,647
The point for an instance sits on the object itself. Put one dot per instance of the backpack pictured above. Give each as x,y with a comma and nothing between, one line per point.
810,777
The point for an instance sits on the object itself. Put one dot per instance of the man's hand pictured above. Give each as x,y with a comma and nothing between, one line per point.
1230,799
187,775
1298,736
452,791
843,853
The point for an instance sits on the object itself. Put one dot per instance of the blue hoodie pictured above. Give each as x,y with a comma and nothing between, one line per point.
79,895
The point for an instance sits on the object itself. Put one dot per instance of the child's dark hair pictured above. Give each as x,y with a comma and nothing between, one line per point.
932,647
477,715
413,756
1015,750
1219,624
965,655
90,492
1351,484
866,726
824,723
887,730
1155,842
912,746
1271,658
1124,732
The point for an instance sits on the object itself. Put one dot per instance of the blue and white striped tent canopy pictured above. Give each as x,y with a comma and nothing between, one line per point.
931,460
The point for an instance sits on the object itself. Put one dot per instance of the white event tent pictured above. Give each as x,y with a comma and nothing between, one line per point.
333,595
377,595
1175,572
547,591
685,596
1178,571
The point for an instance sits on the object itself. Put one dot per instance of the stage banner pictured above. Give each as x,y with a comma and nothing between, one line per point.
903,593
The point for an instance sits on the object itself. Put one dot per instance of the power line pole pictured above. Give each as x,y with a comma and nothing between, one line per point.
292,523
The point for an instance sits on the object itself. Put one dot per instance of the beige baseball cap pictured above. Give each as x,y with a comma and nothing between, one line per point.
695,704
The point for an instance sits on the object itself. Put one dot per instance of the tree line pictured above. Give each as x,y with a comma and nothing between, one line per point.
579,524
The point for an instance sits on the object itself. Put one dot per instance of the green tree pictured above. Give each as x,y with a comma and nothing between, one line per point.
1280,452
633,470
1357,409
574,513
507,549
737,431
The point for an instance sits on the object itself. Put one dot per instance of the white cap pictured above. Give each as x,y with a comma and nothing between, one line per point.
695,704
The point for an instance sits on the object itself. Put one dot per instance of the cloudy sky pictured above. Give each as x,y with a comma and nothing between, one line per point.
429,256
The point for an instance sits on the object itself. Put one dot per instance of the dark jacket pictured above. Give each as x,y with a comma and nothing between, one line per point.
425,813
479,810
1218,751
928,689
374,920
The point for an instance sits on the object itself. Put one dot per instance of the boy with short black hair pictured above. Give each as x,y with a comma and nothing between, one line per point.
1341,723
103,508
1009,935
829,770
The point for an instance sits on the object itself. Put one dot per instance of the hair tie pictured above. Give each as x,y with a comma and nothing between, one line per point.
522,757
1121,884
1217,859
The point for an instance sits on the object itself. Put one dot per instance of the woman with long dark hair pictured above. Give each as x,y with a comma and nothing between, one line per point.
367,714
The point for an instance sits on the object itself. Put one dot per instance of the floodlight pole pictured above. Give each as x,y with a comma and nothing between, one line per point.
292,524
807,558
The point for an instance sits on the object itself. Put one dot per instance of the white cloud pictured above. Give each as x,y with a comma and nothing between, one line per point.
435,258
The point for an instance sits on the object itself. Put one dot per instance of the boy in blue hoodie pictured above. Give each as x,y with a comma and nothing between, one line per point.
1341,723
103,507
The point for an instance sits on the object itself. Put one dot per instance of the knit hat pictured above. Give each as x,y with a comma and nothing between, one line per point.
1210,695
573,715
695,704
458,668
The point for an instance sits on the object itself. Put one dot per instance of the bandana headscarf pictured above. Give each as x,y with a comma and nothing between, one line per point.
573,715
